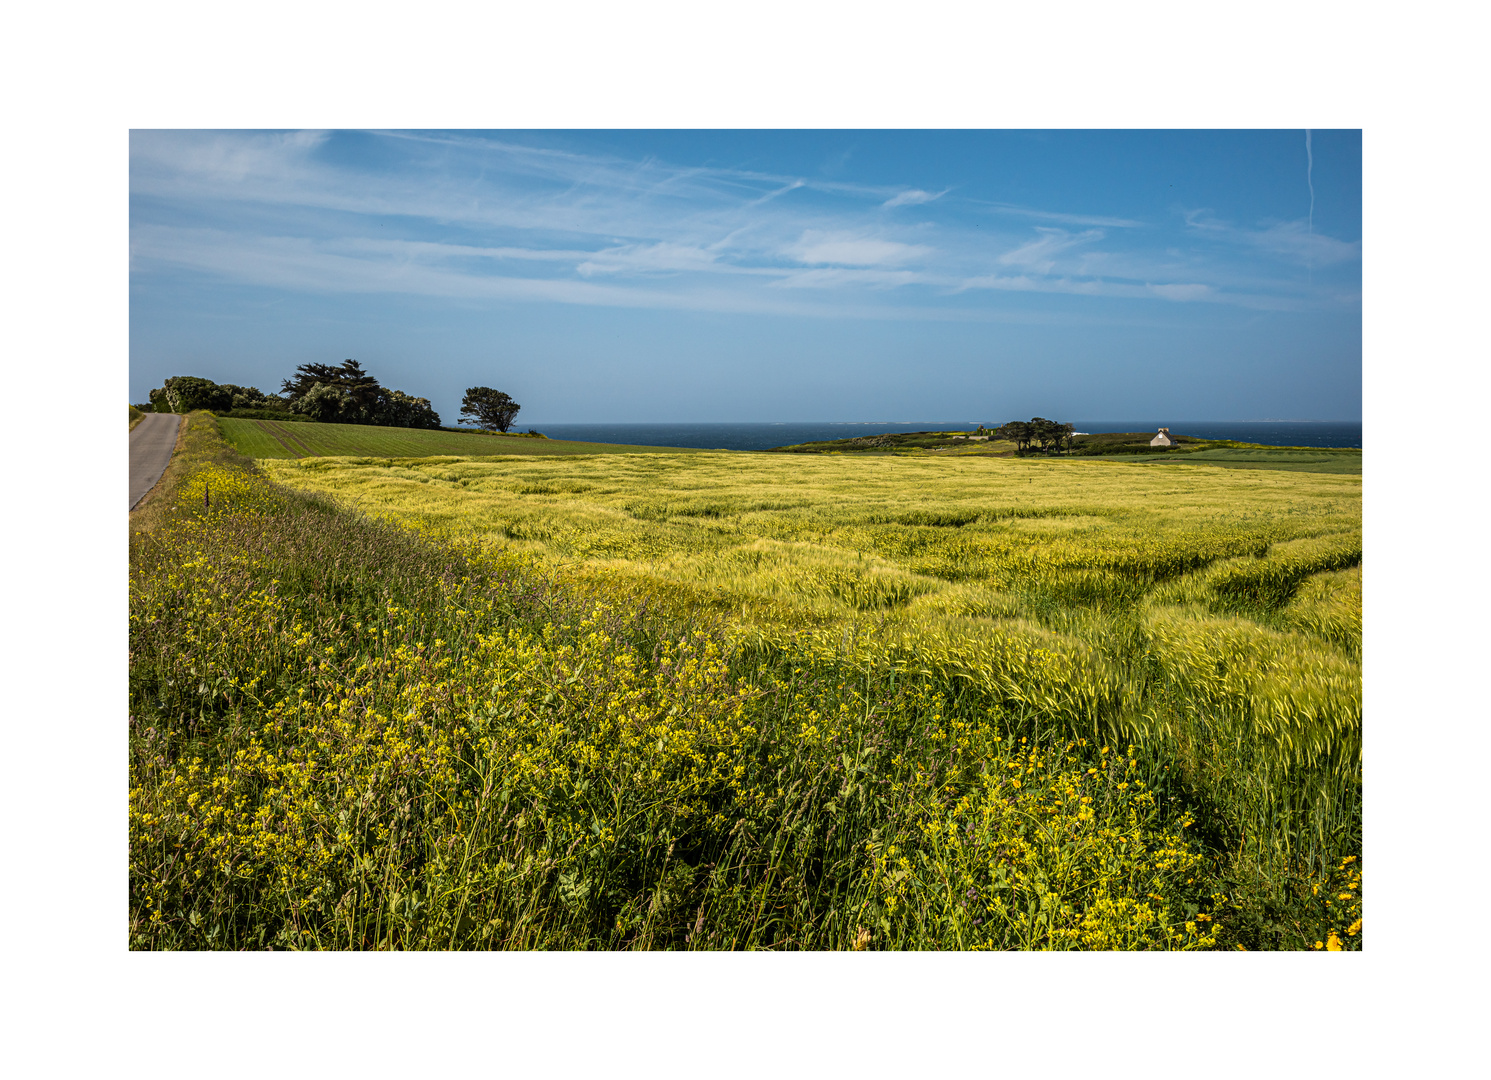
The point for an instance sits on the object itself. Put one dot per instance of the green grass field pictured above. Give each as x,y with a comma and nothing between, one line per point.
274,439
719,700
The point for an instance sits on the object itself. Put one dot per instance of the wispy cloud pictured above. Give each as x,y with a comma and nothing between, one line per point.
1182,291
647,258
850,250
1041,254
1294,240
840,277
1178,292
302,265
1035,214
913,197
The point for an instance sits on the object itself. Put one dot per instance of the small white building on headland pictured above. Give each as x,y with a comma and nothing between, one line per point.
1162,439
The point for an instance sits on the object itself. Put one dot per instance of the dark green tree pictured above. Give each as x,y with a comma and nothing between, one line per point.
251,397
346,394
183,393
1046,434
1017,432
329,404
398,409
488,409
361,388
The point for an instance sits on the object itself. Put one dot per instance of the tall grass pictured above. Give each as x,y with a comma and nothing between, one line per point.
745,722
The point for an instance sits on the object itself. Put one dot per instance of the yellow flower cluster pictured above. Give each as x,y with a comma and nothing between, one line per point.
1041,853
1340,894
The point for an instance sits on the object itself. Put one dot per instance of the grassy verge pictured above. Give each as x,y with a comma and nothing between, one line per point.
351,734
135,416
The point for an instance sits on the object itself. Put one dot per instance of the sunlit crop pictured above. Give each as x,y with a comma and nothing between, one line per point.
731,701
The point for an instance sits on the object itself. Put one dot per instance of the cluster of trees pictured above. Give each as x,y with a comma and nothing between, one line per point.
1038,432
332,393
184,393
345,394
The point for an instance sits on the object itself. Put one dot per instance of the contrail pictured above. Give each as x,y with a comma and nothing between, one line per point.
1309,179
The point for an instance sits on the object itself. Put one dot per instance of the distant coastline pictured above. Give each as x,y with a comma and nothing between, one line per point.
765,436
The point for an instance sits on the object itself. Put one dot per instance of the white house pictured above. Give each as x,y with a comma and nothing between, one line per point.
1162,439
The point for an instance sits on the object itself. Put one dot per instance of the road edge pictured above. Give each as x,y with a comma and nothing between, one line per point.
149,496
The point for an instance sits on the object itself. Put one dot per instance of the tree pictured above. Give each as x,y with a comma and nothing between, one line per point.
1017,432
346,394
1046,435
360,387
184,393
398,409
328,404
488,409
251,397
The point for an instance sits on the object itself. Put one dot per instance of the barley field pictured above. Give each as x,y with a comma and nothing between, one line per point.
710,700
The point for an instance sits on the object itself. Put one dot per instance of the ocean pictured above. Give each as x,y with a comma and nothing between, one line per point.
765,436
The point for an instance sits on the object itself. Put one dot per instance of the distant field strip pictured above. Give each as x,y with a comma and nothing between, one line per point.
1337,462
272,439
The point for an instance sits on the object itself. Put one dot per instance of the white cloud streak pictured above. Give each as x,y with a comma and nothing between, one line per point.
1034,214
1041,254
1293,240
850,250
913,197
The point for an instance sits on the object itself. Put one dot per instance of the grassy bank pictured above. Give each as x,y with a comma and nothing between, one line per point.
652,702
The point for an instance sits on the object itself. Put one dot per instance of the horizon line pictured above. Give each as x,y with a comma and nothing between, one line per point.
1266,420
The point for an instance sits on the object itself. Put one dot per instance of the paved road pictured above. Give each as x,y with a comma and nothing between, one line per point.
150,446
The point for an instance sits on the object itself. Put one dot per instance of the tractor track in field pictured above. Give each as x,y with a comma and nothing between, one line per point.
286,440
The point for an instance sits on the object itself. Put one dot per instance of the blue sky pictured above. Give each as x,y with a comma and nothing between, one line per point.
776,275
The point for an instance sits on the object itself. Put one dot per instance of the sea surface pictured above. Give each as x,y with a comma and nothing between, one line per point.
765,436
